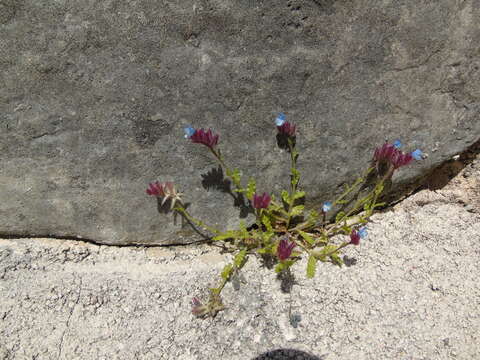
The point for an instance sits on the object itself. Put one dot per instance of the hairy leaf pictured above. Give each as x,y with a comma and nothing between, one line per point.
297,210
336,259
230,234
286,196
295,176
340,216
311,266
227,271
240,258
298,195
266,221
251,188
308,238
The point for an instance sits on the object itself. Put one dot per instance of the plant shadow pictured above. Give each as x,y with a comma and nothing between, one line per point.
215,179
288,354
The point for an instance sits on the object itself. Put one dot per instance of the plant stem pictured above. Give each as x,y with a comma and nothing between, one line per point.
182,211
293,181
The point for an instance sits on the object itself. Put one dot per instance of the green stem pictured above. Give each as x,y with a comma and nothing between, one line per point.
293,182
181,210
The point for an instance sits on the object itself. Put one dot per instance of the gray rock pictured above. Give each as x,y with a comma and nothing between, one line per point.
95,95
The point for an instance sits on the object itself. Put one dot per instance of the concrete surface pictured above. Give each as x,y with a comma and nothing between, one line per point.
411,292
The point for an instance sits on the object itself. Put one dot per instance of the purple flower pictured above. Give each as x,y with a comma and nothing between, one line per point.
389,154
327,206
261,201
284,249
355,237
397,144
207,138
287,129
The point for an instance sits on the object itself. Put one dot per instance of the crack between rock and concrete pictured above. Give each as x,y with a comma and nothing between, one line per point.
67,326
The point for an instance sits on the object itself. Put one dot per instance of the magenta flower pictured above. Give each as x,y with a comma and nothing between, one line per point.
156,189
287,129
355,237
261,201
164,190
389,156
207,138
284,249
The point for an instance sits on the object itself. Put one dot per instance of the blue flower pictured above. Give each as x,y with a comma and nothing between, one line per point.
363,232
280,119
417,154
189,131
397,144
327,206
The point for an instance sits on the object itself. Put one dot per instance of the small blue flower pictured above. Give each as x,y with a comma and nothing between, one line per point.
363,232
417,154
280,119
189,131
397,144
327,206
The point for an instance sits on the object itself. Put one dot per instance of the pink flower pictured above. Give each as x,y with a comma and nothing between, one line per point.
285,248
207,138
166,191
156,189
198,309
261,201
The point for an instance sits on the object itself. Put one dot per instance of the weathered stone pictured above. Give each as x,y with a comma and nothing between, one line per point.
95,95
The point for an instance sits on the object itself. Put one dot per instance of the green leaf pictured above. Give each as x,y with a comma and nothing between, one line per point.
243,230
295,176
336,259
341,202
297,210
227,271
266,221
308,238
240,258
283,265
298,195
235,175
251,188
311,266
313,217
230,234
340,216
215,291
286,196
279,267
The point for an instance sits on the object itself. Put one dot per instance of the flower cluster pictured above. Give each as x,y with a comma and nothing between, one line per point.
201,136
166,191
388,158
261,201
284,127
355,236
285,248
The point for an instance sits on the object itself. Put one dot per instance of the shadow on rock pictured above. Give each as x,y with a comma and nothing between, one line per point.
214,179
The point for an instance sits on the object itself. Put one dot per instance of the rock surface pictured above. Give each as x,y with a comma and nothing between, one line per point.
411,291
94,97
